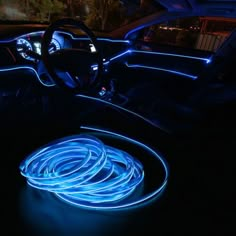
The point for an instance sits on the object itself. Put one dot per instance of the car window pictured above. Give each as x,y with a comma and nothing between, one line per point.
101,16
203,33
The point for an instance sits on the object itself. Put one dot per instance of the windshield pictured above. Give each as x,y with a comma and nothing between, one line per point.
99,15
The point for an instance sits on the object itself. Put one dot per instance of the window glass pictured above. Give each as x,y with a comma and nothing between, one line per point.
99,15
203,33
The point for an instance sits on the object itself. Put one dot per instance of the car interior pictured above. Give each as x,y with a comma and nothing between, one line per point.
63,78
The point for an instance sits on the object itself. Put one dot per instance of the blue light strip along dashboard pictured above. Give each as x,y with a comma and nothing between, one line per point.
116,41
84,172
27,68
69,34
119,55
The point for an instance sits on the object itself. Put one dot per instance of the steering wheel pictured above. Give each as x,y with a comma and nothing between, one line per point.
75,70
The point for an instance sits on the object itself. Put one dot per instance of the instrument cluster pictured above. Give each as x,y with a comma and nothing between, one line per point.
29,43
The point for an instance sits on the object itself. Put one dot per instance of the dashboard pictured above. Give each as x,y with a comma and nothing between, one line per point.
20,43
20,49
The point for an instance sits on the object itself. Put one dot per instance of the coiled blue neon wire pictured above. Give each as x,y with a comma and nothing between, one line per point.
82,171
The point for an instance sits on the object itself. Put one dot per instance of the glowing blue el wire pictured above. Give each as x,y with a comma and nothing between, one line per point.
117,56
193,77
129,51
84,172
27,68
171,54
208,60
124,109
66,33
161,187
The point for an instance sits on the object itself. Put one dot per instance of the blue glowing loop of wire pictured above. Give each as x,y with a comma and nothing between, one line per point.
83,171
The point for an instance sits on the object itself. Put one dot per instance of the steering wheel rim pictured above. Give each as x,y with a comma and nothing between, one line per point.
46,56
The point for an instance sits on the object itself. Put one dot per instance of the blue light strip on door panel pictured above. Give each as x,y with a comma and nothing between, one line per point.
207,60
193,77
118,56
129,51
